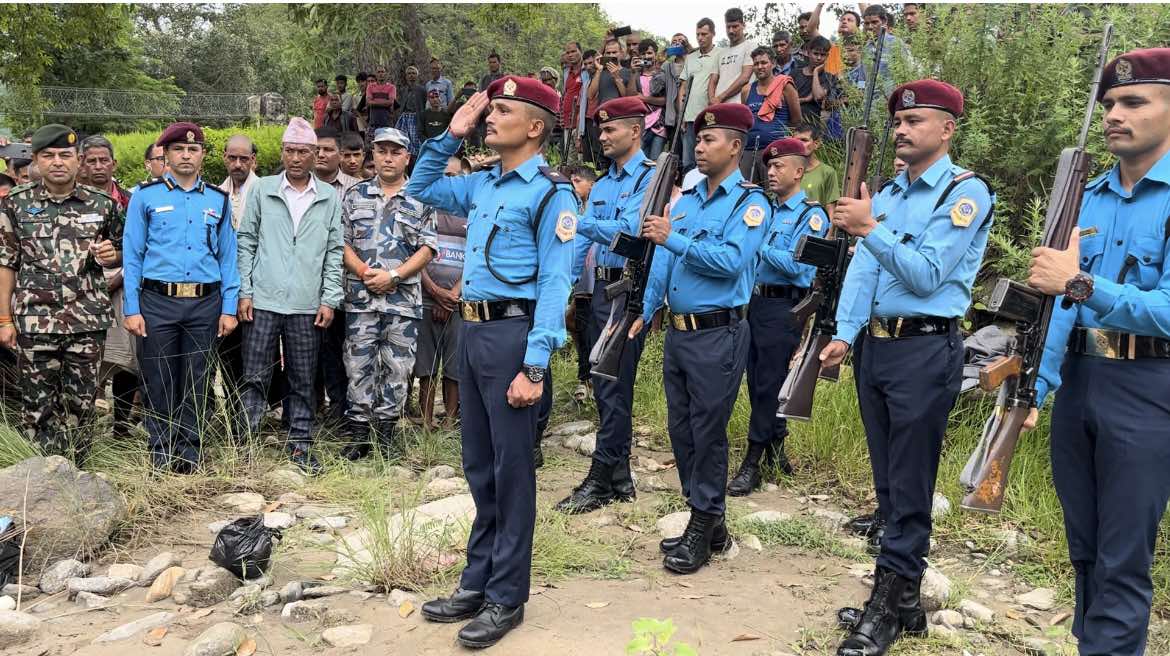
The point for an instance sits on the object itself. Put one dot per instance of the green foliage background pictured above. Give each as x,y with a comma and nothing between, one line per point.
130,148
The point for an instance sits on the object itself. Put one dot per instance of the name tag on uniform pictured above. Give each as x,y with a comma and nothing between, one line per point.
90,218
164,208
210,217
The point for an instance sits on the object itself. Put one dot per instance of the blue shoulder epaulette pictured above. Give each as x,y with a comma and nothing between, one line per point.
554,175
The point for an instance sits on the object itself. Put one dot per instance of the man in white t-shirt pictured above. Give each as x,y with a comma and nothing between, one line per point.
735,61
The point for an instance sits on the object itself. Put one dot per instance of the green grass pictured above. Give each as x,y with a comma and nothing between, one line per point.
800,534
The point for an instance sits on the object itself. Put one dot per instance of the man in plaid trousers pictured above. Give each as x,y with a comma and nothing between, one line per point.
290,246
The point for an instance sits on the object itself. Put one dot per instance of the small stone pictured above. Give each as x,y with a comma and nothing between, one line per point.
752,542
156,566
348,636
216,527
1011,541
302,611
214,585
291,592
1038,599
731,553
976,611
263,581
360,595
131,629
819,498
673,525
291,499
949,618
601,520
398,597
319,539
125,571
287,479
191,575
327,523
440,471
102,585
53,579
7,603
445,487
936,590
970,545
1039,647
771,487
313,511
398,472
318,591
244,591
221,639
269,598
861,570
586,444
90,600
570,428
248,503
17,628
830,519
940,507
653,484
280,520
943,630
23,591
768,517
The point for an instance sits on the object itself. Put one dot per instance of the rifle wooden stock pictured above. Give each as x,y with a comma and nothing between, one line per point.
796,394
993,375
987,494
607,353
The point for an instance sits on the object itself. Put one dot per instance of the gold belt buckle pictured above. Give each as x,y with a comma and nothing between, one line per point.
185,289
1104,343
678,322
878,329
469,313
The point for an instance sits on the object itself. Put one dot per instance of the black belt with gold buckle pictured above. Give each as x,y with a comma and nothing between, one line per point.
479,311
781,291
706,320
181,289
608,274
899,327
1116,345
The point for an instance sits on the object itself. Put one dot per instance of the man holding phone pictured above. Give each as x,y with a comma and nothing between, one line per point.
609,81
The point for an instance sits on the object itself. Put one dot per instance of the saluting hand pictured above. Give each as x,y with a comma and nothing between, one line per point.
1052,269
833,353
656,229
464,121
855,215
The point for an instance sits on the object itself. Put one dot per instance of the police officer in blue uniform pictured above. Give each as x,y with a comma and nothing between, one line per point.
1108,361
921,240
705,268
182,285
781,282
522,218
613,206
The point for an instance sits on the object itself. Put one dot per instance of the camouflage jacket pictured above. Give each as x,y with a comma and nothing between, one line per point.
60,288
385,233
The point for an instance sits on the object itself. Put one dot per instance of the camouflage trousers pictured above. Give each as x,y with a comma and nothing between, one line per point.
379,355
59,375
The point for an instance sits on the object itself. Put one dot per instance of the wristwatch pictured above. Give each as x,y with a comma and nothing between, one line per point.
534,373
394,277
1079,288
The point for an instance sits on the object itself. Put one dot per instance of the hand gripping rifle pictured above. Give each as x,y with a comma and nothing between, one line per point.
1015,374
830,255
606,355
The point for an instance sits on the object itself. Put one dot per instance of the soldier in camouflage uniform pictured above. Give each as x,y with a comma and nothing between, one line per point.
385,235
55,238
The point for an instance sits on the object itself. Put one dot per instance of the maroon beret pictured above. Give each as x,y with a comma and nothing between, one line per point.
784,147
927,93
1145,66
731,116
624,107
526,89
187,133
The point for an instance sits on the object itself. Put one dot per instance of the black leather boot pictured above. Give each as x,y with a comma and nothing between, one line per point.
388,441
461,605
301,456
720,540
490,625
910,612
623,482
694,550
775,459
748,478
879,625
593,493
357,436
865,525
873,545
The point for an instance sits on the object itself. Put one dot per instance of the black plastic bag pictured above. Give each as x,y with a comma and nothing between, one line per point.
244,547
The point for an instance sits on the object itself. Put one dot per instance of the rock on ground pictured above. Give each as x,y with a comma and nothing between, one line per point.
318,591
214,585
1038,599
17,628
348,636
673,525
768,517
131,629
830,519
940,507
125,571
949,618
440,471
7,603
570,428
302,611
66,512
445,487
158,565
102,585
91,600
281,520
398,597
427,524
328,523
936,590
17,590
54,578
976,611
287,479
248,503
313,511
219,640
291,592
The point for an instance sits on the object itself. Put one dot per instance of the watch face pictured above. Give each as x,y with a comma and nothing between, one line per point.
1078,289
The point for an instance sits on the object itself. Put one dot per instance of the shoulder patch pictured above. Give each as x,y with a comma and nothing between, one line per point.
216,188
22,188
566,225
753,215
94,190
150,183
749,185
815,222
649,163
554,175
964,212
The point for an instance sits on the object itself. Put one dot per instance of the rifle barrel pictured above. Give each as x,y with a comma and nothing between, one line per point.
1106,36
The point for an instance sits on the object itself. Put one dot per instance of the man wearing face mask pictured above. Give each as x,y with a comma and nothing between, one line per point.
290,284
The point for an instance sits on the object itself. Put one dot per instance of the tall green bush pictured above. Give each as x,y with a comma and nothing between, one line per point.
129,148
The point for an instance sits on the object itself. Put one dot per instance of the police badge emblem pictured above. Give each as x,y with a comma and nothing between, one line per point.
190,135
815,223
963,213
510,88
566,225
908,98
710,119
1124,70
604,115
753,216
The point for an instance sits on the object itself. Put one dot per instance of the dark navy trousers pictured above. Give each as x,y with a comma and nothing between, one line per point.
615,398
701,372
906,389
1111,465
775,336
173,359
497,460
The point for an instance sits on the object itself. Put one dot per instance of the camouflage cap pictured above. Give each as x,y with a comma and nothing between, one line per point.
53,135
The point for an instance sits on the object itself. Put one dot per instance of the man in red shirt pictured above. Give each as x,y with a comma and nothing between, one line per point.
320,103
380,97
572,91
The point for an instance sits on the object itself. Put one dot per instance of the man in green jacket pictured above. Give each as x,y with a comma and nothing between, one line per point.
290,245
